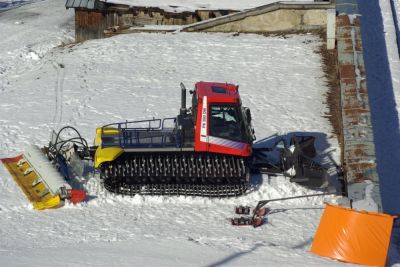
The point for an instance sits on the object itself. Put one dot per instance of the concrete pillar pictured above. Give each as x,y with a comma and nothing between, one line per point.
330,28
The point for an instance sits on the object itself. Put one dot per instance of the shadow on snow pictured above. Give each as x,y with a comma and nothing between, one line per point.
323,157
385,120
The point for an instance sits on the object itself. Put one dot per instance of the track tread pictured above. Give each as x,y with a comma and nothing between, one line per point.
196,174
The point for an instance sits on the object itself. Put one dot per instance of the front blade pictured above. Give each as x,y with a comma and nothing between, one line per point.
31,183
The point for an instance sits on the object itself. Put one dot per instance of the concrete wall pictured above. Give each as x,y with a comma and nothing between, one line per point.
362,180
277,21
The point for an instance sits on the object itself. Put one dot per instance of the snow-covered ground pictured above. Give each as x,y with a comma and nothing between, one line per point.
396,11
176,6
192,5
389,16
46,83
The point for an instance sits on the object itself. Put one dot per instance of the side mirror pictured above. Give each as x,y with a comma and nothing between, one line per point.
248,115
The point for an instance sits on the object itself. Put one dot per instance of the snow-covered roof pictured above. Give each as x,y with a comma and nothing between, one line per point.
192,5
89,4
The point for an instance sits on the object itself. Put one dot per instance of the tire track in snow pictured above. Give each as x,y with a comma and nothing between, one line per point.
85,97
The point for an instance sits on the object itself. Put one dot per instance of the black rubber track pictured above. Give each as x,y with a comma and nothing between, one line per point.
186,173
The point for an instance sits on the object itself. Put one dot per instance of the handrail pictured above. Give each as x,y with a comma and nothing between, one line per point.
160,124
130,135
118,124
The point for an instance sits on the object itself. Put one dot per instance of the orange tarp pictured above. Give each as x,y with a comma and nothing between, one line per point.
353,236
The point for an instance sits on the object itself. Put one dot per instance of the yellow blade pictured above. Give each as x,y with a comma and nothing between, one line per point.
31,184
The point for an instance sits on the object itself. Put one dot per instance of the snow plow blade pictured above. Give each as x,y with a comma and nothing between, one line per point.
44,187
36,193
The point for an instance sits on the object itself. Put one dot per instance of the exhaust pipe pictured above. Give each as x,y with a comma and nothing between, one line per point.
183,110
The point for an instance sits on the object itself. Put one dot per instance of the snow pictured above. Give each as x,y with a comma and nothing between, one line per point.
391,45
192,5
390,19
396,11
47,82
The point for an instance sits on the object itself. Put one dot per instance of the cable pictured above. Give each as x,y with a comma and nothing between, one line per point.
59,144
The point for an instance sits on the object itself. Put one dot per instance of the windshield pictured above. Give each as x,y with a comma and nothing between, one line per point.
226,122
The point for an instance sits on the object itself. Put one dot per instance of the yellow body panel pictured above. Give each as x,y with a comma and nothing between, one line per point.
109,132
31,184
106,154
51,203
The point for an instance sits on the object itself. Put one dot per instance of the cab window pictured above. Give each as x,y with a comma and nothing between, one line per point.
225,122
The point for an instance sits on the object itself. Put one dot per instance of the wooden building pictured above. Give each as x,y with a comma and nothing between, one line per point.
97,19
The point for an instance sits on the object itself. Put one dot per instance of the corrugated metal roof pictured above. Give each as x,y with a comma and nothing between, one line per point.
89,4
